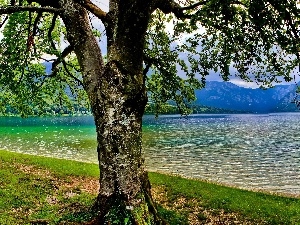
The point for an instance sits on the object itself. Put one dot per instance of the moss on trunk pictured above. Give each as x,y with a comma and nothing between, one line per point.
116,209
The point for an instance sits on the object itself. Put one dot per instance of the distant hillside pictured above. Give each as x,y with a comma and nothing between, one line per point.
229,96
197,109
226,97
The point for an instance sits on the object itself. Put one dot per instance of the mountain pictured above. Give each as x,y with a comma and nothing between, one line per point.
229,96
226,97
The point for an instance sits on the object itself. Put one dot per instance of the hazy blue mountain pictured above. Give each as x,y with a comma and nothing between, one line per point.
227,95
285,104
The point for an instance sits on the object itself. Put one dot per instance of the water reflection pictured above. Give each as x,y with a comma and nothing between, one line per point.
250,151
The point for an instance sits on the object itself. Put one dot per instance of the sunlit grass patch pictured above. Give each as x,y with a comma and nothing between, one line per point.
32,192
60,167
229,203
57,191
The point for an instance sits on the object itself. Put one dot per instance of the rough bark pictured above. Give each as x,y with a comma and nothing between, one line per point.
124,196
118,98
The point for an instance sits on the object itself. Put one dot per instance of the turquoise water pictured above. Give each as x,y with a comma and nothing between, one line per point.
252,151
60,137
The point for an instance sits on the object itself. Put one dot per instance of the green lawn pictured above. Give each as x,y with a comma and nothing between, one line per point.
54,191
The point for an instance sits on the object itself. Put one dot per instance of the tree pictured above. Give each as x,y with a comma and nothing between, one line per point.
259,38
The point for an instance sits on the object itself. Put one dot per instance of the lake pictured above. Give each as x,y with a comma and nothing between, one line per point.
251,151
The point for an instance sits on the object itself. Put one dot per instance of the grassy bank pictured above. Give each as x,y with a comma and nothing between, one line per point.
40,190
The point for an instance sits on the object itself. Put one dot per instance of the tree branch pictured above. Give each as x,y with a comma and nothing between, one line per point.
193,6
50,31
64,54
94,9
71,75
170,6
147,68
238,3
154,62
35,24
59,60
14,9
6,18
288,17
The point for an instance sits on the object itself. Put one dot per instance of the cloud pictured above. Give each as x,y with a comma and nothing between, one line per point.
245,84
103,4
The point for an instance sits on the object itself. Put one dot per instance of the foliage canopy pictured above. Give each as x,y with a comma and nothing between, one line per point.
255,40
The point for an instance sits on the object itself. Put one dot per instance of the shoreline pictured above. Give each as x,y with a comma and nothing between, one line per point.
210,181
258,190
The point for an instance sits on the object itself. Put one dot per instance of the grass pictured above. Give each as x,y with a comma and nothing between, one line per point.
37,190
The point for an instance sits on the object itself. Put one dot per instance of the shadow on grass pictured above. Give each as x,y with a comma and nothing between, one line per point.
77,214
172,217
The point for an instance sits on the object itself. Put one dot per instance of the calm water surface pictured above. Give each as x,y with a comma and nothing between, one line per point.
248,151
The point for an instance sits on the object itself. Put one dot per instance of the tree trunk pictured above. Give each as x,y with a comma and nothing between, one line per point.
124,196
118,97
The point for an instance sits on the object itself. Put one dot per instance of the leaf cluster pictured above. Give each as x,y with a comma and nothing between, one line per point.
256,41
28,84
253,40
